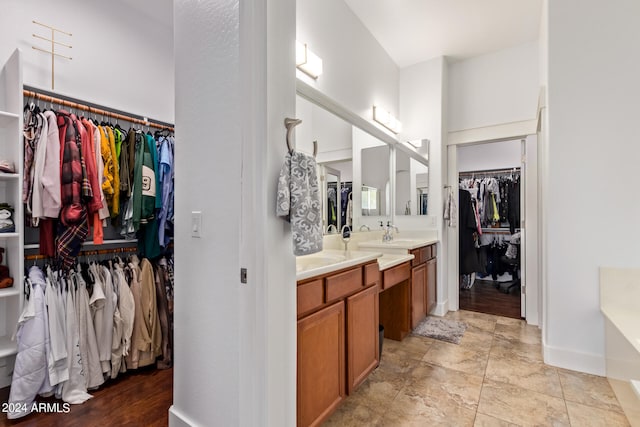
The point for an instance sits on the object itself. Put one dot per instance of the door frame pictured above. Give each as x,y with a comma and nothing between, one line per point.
510,131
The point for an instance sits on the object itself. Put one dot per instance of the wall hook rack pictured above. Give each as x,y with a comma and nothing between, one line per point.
52,52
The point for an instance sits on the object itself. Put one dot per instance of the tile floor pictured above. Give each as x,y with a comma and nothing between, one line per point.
495,377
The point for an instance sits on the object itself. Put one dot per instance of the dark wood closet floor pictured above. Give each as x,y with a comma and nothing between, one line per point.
485,298
137,398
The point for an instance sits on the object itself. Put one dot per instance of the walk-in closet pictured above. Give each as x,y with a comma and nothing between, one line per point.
97,297
490,195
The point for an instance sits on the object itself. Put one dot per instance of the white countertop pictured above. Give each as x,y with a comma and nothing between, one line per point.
627,321
391,260
620,301
397,243
330,260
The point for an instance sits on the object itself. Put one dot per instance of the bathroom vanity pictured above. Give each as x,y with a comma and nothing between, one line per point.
337,333
342,298
409,289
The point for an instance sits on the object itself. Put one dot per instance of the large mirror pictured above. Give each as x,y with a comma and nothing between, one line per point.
411,182
333,137
366,174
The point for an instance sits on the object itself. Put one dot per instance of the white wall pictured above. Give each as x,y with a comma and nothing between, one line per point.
235,343
332,133
495,155
358,73
122,54
423,97
592,212
345,168
495,88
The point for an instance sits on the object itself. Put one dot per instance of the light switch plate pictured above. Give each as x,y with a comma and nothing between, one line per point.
196,224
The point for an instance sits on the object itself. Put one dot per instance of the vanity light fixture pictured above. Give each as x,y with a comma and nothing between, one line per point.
386,119
307,61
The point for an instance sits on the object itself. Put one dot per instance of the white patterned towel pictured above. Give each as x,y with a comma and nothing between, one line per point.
299,202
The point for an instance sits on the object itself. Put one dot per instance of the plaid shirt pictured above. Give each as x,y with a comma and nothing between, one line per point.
70,239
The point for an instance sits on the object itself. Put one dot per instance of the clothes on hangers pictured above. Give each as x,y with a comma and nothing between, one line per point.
81,174
84,326
450,208
497,198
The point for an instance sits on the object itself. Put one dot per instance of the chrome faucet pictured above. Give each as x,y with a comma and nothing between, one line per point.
365,226
345,235
387,235
335,229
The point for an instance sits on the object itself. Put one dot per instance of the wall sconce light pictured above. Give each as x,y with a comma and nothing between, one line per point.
307,61
386,119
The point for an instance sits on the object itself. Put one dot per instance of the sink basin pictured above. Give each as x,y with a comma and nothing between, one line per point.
310,262
330,260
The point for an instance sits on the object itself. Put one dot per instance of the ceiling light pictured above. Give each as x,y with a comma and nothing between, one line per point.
307,61
386,119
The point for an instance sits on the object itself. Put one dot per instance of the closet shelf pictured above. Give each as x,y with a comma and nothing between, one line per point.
4,236
7,118
9,176
9,292
7,347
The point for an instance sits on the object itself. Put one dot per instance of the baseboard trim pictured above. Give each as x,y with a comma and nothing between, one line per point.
178,419
574,360
441,308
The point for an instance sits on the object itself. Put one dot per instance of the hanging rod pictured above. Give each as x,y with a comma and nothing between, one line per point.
66,101
90,243
86,253
491,171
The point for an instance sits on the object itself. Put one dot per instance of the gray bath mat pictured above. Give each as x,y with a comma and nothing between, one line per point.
441,329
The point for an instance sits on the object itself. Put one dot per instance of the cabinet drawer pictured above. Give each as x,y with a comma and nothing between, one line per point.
342,284
310,296
426,253
371,274
395,275
434,251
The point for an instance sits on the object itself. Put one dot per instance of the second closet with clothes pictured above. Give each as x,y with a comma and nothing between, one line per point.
489,220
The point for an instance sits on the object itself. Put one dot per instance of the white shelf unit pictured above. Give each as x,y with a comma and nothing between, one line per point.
11,149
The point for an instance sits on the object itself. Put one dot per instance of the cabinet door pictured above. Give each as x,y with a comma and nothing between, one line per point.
432,268
418,296
362,336
321,364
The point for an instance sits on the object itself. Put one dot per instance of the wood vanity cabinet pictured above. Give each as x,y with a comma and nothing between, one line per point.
321,364
423,283
362,336
338,316
418,294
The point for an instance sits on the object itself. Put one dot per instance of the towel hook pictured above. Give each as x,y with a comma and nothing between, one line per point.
290,124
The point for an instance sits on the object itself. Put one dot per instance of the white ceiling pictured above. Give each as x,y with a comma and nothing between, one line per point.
413,31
